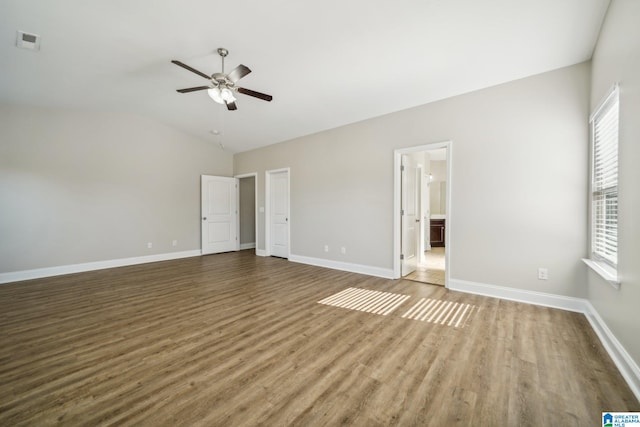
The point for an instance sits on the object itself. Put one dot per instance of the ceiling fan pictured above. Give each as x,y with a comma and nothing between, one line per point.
222,86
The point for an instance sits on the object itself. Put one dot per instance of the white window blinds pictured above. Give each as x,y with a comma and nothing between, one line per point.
604,185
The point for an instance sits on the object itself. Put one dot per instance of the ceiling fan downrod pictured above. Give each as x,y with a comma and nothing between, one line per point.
223,53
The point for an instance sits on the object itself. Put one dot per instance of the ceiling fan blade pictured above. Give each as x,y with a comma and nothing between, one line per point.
255,94
193,89
193,70
231,106
237,73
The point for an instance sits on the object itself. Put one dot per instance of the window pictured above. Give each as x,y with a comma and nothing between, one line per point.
604,181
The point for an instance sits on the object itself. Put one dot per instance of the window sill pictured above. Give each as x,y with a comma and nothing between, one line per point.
604,271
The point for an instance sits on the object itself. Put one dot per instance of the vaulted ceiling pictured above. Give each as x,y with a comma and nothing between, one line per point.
326,63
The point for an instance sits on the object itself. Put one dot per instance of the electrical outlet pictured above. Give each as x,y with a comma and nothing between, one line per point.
326,248
543,273
174,243
149,245
343,250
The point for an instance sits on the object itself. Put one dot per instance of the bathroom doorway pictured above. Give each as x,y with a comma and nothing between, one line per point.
430,230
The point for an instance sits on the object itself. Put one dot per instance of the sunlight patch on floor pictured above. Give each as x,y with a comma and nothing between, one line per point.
366,300
441,312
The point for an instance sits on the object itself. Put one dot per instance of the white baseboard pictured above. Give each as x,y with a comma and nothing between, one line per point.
386,273
261,252
38,273
625,364
520,295
244,246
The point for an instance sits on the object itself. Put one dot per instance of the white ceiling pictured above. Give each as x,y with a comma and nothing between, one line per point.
326,63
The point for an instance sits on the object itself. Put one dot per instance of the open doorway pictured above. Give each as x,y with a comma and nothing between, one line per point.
423,213
247,218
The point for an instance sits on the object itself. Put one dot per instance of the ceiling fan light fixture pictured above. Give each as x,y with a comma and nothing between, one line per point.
215,94
227,95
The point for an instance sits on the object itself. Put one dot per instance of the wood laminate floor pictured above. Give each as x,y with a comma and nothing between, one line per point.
240,340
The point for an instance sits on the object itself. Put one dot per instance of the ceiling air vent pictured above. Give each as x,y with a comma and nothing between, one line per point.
28,41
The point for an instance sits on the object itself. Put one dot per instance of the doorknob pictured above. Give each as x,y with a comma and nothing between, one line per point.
204,218
417,220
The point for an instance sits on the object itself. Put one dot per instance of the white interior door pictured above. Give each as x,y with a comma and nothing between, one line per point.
219,214
279,213
420,188
426,213
410,224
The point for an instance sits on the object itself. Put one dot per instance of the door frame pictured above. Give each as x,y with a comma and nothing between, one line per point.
397,204
267,209
255,196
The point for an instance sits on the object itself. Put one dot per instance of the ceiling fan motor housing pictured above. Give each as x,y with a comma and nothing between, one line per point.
221,79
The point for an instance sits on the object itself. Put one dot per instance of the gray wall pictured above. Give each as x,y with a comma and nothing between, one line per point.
526,141
439,170
85,186
438,187
617,59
